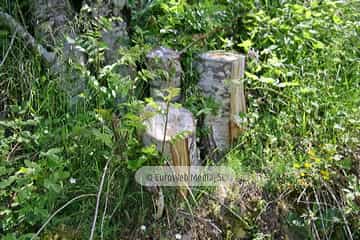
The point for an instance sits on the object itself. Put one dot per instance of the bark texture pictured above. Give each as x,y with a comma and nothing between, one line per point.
15,27
167,60
117,35
220,73
51,20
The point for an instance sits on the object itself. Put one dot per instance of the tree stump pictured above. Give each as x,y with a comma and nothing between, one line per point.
115,36
52,18
167,60
220,78
180,139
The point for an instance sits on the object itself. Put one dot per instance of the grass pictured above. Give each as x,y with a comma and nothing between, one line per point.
299,154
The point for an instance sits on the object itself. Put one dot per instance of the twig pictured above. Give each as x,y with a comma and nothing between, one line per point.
98,200
320,211
106,201
312,220
199,39
205,220
8,50
59,210
165,127
105,209
340,209
160,204
12,151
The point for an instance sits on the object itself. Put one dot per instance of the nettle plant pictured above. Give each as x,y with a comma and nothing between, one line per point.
33,175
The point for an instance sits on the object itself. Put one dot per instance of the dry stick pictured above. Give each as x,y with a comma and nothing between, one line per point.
320,211
105,209
313,225
12,151
205,220
165,127
106,201
8,50
316,203
160,201
98,200
340,209
59,210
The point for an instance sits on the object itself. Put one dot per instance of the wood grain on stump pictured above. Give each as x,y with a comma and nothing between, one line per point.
180,139
220,78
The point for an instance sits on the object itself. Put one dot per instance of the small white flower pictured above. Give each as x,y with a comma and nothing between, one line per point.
72,180
143,228
178,236
337,157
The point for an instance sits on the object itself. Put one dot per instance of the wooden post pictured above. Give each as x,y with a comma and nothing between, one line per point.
162,58
220,78
180,139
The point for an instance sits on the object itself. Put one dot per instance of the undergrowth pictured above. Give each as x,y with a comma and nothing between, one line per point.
302,125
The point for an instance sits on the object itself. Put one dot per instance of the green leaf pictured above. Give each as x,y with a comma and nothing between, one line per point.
247,44
103,137
336,19
50,185
105,114
137,163
7,182
345,163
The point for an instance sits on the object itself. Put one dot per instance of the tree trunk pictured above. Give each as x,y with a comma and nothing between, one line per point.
51,20
117,35
167,60
220,75
180,138
178,141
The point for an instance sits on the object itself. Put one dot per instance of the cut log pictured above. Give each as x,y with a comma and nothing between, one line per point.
220,78
180,138
167,60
